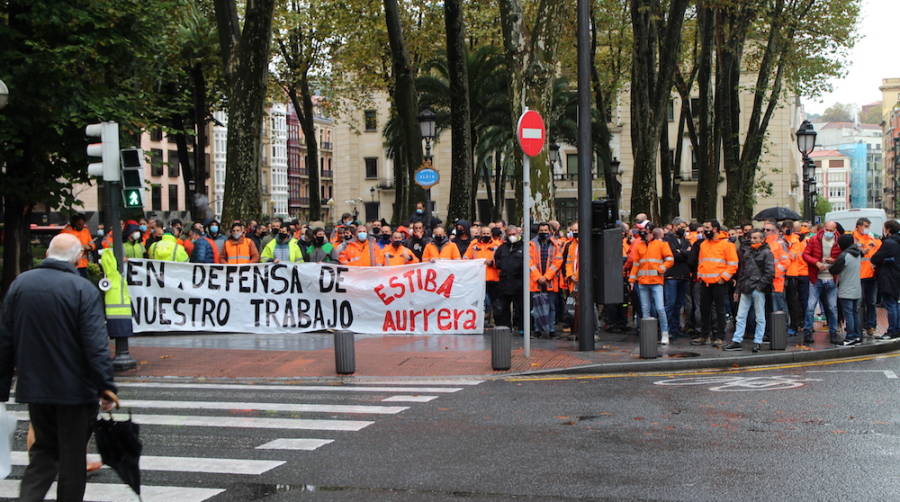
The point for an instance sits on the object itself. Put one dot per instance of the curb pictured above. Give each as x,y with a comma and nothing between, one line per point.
732,362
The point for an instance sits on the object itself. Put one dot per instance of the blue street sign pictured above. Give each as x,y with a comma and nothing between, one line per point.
427,177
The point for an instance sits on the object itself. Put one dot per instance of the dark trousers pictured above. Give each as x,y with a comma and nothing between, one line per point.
797,290
713,296
508,311
868,314
61,435
692,307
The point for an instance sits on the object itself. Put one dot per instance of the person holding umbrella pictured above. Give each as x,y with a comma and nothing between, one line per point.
56,340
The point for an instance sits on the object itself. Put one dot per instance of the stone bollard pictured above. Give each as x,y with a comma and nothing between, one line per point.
648,338
344,353
501,348
778,336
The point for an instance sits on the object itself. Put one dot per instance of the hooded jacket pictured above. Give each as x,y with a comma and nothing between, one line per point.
887,267
463,244
756,270
848,267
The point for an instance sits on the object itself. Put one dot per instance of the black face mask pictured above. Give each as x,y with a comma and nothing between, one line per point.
283,237
385,238
320,240
574,235
543,236
788,231
680,232
709,233
396,244
485,238
439,239
496,232
347,237
376,230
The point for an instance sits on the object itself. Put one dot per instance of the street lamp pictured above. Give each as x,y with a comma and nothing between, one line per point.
4,95
806,143
427,126
330,205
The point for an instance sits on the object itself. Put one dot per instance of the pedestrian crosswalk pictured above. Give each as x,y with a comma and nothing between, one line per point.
202,439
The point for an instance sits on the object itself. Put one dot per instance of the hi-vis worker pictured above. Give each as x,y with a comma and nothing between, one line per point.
869,246
797,286
653,256
167,249
239,249
782,261
571,256
77,228
362,251
396,253
484,246
440,247
283,248
116,298
545,263
717,262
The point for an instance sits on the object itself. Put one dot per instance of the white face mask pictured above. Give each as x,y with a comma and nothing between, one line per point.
236,235
135,236
513,239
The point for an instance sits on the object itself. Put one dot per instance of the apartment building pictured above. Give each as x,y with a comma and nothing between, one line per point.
833,177
862,145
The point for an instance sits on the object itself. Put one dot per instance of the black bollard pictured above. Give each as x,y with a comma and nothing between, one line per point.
778,340
501,348
344,353
648,338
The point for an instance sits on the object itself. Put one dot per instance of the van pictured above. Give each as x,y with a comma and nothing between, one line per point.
847,219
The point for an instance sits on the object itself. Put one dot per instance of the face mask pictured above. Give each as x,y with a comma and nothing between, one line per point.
143,228
496,232
347,237
236,235
214,229
829,235
485,238
709,233
420,211
543,236
320,240
788,231
99,232
513,239
396,244
347,222
569,234
680,232
460,231
574,235
283,237
135,236
376,230
362,236
866,231
756,245
439,239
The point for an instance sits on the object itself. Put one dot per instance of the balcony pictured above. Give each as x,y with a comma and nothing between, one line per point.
327,173
304,201
570,177
327,145
303,171
385,184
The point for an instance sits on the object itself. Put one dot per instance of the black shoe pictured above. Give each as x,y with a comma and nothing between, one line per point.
851,341
699,341
886,336
755,348
808,339
734,346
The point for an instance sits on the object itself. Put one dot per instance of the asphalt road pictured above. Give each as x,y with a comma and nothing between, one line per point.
820,433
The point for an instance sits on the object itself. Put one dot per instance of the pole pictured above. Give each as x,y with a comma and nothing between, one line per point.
585,171
428,190
526,253
123,360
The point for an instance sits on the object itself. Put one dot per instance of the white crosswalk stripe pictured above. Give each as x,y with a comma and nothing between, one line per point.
261,422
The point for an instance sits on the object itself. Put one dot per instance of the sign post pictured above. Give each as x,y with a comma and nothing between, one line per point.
531,134
427,177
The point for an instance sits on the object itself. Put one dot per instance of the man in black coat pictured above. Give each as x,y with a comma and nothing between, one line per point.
887,270
53,333
678,276
509,258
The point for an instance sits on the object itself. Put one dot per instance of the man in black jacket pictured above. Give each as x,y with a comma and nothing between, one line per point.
509,258
53,332
754,281
887,270
418,240
678,276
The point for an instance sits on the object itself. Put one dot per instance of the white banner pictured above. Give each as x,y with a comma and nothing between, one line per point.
446,296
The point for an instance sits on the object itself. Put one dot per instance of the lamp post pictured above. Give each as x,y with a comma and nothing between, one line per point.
330,205
427,126
806,143
4,95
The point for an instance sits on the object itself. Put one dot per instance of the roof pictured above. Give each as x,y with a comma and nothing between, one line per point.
826,153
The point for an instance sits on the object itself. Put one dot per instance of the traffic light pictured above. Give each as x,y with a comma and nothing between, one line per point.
107,150
133,177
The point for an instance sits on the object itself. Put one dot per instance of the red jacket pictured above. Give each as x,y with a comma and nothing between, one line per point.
813,253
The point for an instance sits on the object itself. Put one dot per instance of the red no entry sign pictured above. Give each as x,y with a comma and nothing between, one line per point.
531,133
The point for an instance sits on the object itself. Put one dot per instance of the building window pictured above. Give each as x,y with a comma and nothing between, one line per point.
370,120
156,162
173,198
670,110
173,163
371,168
372,211
156,198
156,134
572,165
836,163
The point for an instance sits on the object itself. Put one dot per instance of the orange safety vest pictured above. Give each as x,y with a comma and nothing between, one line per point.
782,262
85,238
399,256
449,251
798,266
653,259
869,246
242,251
479,249
553,265
571,268
718,260
106,243
362,254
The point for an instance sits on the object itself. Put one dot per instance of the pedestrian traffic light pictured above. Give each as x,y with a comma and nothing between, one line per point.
107,150
132,177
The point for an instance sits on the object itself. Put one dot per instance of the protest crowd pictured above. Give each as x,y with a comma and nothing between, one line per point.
699,280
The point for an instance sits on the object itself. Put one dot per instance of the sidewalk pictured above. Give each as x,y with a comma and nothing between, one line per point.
311,355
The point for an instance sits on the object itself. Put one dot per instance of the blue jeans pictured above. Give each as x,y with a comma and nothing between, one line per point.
893,313
674,291
869,290
758,300
652,296
824,292
850,308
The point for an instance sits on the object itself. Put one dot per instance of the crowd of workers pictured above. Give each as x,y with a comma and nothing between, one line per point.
698,280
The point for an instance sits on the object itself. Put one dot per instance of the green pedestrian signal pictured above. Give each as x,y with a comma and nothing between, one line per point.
132,197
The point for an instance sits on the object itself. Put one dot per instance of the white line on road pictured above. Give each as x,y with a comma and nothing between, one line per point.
887,373
890,374
103,492
312,388
408,399
228,405
238,422
186,464
295,444
418,381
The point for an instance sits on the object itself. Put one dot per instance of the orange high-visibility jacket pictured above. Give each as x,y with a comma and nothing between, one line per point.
798,266
106,243
653,259
362,254
869,246
449,251
240,251
549,269
85,238
571,267
782,262
718,259
631,254
398,256
479,249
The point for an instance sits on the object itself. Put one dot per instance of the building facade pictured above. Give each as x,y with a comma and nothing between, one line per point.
862,145
833,177
890,114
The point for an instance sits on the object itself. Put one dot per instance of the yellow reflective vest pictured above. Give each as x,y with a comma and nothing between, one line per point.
116,298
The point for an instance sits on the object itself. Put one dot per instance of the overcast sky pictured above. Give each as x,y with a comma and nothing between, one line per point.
874,57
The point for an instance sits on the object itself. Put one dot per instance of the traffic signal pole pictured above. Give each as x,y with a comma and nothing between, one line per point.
585,172
122,360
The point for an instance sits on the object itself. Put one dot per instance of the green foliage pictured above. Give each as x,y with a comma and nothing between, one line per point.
871,114
838,112
823,207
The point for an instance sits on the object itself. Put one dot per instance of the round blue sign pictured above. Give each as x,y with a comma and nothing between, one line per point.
427,177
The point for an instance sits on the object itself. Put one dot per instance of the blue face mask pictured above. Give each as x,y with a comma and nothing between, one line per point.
143,228
214,229
829,235
420,211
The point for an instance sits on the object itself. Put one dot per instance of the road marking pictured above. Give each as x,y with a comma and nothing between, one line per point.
186,464
103,492
228,405
312,388
890,374
237,422
419,381
887,373
408,399
295,444
729,371
739,383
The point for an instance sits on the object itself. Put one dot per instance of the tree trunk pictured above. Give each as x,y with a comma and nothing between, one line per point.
305,109
199,200
16,249
461,171
499,187
184,160
247,93
707,137
406,104
666,173
600,128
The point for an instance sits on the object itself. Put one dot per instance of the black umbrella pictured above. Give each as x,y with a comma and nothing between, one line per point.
777,214
120,447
